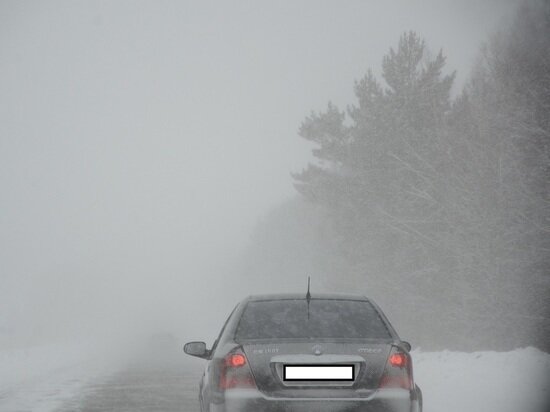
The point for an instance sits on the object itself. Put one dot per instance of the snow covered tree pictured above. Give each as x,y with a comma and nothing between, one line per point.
381,170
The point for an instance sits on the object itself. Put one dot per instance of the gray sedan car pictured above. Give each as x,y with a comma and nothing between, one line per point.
320,353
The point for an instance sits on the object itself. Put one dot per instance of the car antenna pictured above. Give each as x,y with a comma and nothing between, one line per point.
308,296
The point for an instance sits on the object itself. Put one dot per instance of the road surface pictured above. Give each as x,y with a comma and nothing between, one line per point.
152,386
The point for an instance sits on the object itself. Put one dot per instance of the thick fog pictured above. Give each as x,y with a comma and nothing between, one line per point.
142,142
162,160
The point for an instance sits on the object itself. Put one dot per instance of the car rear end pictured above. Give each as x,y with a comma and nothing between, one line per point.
325,355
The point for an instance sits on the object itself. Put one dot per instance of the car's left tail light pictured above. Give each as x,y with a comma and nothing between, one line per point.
398,372
235,371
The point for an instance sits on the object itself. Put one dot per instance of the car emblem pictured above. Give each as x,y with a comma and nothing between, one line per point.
317,350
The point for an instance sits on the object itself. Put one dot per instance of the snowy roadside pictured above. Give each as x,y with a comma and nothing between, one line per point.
41,378
513,381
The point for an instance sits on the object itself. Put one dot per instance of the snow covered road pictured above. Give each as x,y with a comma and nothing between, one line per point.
451,382
141,389
42,378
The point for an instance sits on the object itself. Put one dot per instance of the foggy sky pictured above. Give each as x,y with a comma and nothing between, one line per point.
141,141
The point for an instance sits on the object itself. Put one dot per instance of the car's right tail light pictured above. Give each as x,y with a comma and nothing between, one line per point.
235,371
398,371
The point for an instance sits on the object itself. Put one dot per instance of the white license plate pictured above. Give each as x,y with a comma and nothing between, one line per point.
318,372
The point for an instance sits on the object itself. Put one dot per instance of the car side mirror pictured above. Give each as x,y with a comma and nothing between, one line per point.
197,349
406,345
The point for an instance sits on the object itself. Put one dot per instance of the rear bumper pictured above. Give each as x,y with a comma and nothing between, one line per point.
383,400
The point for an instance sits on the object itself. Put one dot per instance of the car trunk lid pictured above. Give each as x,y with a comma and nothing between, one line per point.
268,360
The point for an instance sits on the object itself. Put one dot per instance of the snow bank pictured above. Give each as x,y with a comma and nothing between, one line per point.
484,381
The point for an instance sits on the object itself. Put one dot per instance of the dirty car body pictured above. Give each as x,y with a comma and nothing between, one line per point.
288,353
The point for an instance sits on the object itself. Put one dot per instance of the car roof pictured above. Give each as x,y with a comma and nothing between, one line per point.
314,296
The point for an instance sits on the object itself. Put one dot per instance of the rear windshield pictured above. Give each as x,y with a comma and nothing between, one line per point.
327,319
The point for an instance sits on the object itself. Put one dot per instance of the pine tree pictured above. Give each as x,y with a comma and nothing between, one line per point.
381,171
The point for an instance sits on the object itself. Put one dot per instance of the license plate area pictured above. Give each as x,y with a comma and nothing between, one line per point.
319,373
